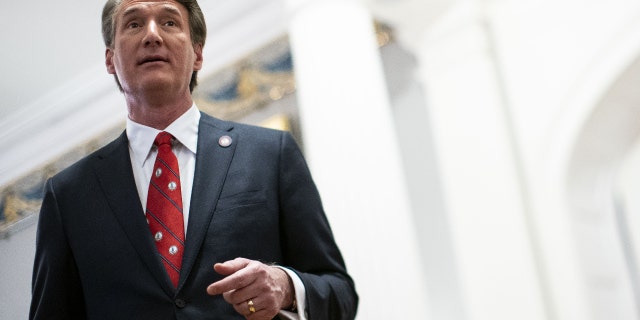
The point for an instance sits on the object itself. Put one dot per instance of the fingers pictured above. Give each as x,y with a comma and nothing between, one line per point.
238,274
268,288
258,312
228,267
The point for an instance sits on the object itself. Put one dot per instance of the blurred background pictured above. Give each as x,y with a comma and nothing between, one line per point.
477,159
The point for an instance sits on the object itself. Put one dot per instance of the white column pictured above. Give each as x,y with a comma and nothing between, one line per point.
350,143
479,172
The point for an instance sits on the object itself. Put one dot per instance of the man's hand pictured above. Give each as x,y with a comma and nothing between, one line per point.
268,288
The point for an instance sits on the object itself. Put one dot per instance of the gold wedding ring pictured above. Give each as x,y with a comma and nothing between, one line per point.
252,309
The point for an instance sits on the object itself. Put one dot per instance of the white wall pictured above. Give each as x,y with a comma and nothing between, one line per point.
15,279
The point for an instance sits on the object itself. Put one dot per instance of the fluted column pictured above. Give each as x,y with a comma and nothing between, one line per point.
351,145
480,170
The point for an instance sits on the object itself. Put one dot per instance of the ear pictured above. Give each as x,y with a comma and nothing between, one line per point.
197,64
111,69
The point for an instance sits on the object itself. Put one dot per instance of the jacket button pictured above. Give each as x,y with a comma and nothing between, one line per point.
180,303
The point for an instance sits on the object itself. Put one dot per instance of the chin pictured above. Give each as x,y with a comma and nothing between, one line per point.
156,85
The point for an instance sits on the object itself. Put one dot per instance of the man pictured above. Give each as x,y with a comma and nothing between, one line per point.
184,216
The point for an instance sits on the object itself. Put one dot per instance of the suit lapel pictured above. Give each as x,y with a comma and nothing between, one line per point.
116,177
212,164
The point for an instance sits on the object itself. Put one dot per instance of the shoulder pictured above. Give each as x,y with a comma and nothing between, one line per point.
245,131
253,141
80,169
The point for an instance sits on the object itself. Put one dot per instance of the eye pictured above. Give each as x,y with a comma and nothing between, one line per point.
133,25
170,23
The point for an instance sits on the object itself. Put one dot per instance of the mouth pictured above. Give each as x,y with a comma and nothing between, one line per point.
152,59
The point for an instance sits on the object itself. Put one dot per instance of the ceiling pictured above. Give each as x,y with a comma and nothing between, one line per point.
50,43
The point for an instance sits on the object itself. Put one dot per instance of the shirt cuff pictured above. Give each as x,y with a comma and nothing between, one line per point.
300,296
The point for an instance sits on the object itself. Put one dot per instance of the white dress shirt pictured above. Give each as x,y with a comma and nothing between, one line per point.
185,131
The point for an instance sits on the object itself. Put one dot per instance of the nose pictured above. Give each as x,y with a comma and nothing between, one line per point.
152,36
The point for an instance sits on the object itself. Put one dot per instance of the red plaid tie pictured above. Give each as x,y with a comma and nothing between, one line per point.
164,207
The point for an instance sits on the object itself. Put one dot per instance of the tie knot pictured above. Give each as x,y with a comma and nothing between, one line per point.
163,138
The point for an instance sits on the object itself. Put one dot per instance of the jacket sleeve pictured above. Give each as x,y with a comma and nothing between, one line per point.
309,247
56,289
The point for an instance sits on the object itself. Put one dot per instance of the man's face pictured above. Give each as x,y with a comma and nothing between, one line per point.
152,49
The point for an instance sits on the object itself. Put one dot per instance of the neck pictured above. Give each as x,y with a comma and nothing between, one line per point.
157,110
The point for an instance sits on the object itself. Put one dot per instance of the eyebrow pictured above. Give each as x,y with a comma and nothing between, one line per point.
135,9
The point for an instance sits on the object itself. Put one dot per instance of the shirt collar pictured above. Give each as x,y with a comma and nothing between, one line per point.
184,129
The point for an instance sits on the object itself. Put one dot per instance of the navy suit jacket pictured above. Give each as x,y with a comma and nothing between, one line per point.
95,257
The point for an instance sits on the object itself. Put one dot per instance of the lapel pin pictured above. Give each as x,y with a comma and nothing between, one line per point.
225,141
